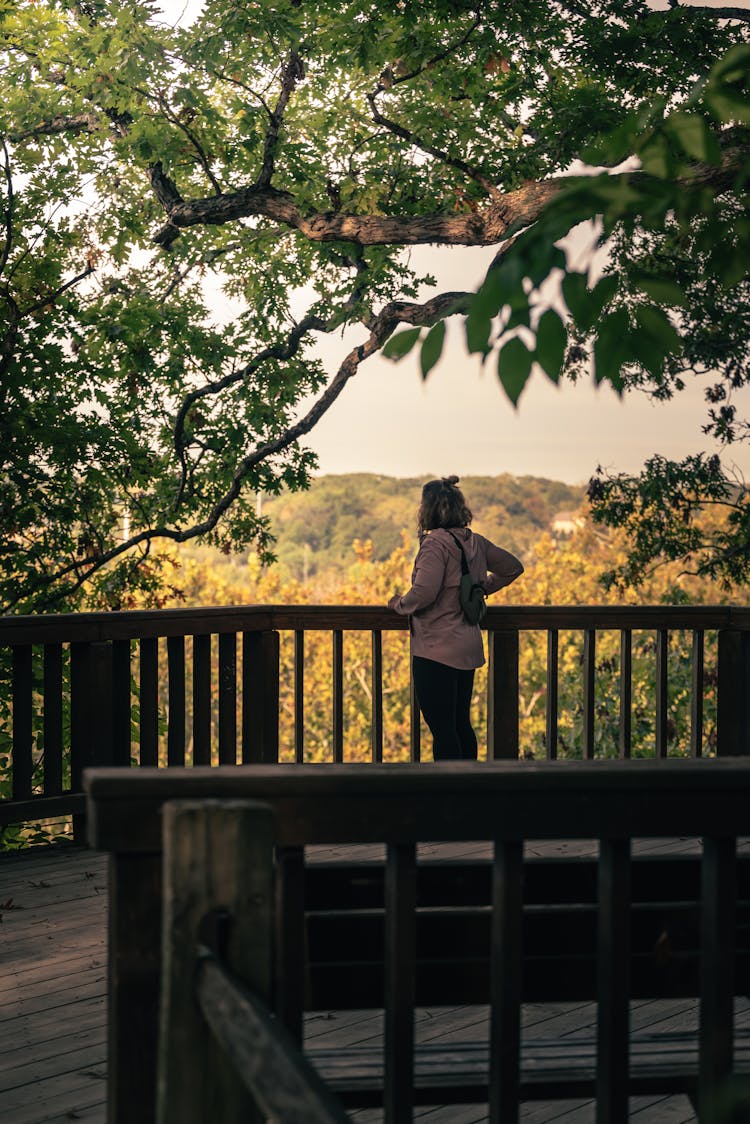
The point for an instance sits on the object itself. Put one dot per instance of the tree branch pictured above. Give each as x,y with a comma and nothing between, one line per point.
482,228
741,14
292,71
380,327
498,219
431,150
50,298
182,126
79,123
8,209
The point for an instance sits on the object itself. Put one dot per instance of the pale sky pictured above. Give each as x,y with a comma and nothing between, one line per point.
389,421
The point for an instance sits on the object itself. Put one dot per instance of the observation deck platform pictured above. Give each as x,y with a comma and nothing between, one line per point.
53,1003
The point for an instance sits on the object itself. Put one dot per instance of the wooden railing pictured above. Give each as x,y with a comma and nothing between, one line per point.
202,686
230,859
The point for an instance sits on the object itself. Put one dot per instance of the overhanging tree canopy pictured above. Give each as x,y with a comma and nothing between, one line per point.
275,148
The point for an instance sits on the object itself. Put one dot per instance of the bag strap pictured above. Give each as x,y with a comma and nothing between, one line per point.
464,563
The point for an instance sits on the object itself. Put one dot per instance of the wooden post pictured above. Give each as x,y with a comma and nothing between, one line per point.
613,982
733,719
134,967
218,860
92,732
502,694
260,698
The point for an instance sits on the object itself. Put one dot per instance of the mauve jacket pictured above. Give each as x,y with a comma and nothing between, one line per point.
439,630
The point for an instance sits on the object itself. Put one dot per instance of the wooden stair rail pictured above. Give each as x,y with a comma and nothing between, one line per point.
226,1054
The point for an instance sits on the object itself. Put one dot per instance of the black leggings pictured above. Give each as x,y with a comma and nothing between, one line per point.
444,696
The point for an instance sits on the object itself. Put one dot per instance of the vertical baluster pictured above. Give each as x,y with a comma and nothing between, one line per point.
733,701
299,696
505,981
202,700
502,694
696,694
552,694
121,703
22,721
377,695
81,749
415,729
80,712
718,923
400,947
626,692
290,938
149,700
662,691
176,697
338,695
613,982
260,697
53,719
227,698
589,690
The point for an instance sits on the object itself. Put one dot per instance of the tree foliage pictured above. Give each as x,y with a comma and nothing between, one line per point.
185,212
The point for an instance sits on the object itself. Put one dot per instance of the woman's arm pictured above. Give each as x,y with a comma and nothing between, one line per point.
503,568
429,574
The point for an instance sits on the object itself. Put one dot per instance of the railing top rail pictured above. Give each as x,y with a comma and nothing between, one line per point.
444,802
88,627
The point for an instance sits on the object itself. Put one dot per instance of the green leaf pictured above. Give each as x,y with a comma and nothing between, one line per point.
432,348
657,325
656,158
401,344
611,347
541,259
660,289
731,264
695,137
514,368
727,91
478,328
551,341
602,294
518,317
577,298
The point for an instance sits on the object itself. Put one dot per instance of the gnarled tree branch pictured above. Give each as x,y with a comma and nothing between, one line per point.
380,326
497,220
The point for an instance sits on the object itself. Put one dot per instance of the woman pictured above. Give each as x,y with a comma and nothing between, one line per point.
446,649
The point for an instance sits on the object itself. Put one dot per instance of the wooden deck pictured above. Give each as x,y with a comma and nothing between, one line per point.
53,1006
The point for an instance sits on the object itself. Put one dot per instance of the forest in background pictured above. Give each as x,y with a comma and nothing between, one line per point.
315,529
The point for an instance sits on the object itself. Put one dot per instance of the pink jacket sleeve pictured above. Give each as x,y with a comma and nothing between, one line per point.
503,568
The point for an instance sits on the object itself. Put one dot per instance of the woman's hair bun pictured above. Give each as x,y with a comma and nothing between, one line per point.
450,480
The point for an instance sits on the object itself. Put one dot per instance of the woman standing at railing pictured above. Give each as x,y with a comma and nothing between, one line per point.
446,648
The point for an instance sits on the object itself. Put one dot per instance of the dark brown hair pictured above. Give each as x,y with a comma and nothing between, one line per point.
443,505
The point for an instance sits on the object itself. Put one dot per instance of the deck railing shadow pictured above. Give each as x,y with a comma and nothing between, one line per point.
202,687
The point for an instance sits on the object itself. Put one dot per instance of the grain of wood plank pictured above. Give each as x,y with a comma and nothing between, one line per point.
47,1099
50,981
40,1028
79,1057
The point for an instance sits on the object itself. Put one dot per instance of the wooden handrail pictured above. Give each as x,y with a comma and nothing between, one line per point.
138,624
82,665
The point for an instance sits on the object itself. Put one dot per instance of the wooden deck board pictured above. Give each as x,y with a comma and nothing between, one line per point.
53,1000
